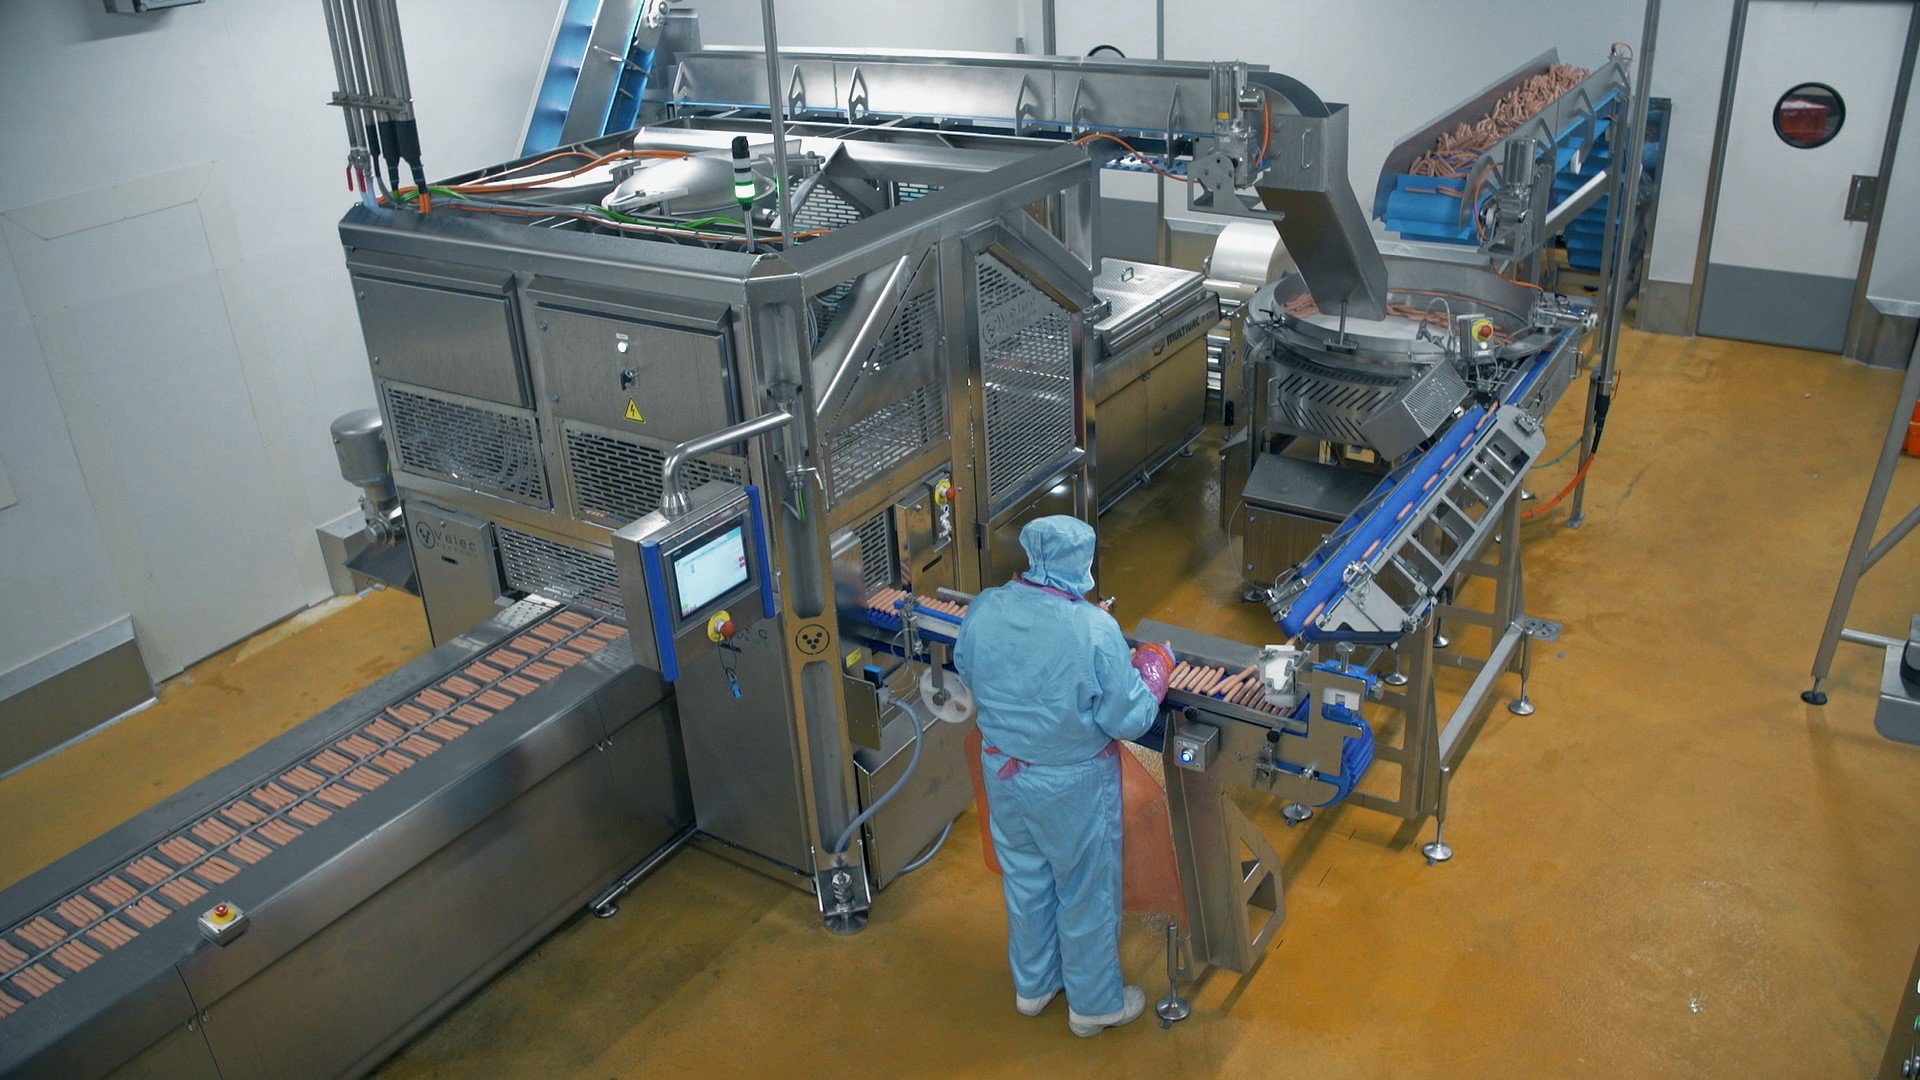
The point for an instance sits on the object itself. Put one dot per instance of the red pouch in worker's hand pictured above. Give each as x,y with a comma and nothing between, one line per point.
1149,878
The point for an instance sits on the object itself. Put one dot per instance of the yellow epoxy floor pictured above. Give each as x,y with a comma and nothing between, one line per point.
1673,868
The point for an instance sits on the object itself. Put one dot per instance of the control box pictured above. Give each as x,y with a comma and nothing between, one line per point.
1194,746
694,581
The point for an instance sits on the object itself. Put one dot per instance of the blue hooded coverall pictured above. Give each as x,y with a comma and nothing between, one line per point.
1054,683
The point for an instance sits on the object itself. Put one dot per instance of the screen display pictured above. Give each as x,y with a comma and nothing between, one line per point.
710,567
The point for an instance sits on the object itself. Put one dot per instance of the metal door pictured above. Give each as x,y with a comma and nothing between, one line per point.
1813,92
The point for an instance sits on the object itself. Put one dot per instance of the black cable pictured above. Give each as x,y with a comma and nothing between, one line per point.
390,151
1114,49
1601,403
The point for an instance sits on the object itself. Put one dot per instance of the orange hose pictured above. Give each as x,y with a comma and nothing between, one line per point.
480,187
1564,492
1131,149
1266,124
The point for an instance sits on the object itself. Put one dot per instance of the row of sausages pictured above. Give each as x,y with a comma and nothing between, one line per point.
1242,688
884,601
78,928
1454,152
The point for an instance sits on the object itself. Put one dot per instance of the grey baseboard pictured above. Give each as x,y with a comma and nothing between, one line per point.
1886,341
67,693
1663,307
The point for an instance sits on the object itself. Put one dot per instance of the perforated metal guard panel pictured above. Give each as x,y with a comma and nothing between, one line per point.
906,193
826,307
867,448
1390,414
1026,342
1308,399
825,209
585,579
914,328
617,480
876,552
485,447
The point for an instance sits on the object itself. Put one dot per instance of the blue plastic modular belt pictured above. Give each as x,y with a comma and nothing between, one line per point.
893,623
1385,509
560,80
623,112
1356,754
1428,207
561,76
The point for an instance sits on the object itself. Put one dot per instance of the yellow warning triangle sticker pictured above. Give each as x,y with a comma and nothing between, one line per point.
633,412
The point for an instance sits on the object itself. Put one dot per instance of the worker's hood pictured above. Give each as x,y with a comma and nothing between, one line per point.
1059,553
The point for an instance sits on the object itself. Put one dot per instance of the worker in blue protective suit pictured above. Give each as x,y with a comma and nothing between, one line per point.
1055,685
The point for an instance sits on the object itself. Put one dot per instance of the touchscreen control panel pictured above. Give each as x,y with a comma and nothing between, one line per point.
692,582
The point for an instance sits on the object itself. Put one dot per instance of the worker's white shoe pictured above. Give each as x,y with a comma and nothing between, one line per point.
1133,1002
1034,1006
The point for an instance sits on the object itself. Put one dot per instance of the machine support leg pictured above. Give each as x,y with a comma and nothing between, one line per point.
1229,874
1438,851
1578,516
1522,705
1173,1008
1858,559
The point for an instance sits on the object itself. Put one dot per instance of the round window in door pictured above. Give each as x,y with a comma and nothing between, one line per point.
1809,115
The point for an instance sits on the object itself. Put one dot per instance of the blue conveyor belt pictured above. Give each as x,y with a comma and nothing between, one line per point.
1386,508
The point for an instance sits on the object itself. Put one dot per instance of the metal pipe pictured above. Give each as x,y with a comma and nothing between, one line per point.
1857,551
1630,212
1894,536
673,501
1863,280
1864,637
359,66
1628,215
396,56
1723,128
355,139
777,122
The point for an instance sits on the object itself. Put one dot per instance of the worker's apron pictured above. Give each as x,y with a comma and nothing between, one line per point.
1149,878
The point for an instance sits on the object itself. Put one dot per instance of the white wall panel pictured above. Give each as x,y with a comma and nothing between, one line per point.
241,86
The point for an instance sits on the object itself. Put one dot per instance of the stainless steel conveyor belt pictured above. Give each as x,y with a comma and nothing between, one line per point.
377,862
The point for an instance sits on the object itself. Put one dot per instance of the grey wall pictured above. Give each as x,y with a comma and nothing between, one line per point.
168,372
1896,261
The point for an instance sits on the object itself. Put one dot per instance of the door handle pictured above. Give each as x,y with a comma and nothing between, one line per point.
1863,197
